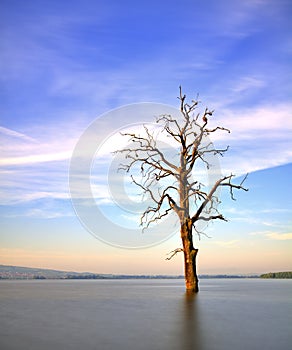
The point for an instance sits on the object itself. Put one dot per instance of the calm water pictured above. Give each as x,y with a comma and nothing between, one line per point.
145,314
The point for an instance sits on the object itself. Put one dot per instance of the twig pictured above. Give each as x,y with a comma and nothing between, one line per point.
173,253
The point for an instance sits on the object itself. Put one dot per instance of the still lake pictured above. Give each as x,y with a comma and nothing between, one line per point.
145,315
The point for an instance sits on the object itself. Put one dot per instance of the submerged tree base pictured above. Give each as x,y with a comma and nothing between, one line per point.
192,289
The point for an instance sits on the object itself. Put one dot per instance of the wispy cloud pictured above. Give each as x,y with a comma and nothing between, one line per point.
279,236
32,159
34,166
248,83
225,244
272,235
13,133
260,137
245,123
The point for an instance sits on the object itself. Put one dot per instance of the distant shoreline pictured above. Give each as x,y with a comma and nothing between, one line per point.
8,272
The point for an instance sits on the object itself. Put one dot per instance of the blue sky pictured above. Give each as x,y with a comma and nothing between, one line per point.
63,64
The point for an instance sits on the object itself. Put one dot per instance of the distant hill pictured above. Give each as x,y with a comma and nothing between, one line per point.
287,274
20,272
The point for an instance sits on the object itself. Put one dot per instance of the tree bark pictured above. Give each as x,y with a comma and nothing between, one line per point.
190,255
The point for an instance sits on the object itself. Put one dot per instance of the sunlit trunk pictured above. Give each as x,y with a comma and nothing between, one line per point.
190,255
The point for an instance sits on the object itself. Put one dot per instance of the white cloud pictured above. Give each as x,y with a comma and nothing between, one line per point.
47,214
41,214
44,146
264,121
260,137
35,166
279,236
25,195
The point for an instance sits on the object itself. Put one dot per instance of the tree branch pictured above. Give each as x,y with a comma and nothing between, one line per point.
225,181
173,253
189,134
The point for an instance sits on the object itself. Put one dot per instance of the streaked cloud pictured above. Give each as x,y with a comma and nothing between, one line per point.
13,133
32,159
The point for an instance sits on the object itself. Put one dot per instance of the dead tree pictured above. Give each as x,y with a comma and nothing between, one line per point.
180,193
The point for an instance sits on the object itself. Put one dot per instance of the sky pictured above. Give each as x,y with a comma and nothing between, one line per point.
64,67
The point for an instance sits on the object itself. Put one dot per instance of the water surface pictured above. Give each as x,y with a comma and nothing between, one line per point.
145,315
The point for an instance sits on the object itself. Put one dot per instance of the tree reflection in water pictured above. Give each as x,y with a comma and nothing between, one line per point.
191,337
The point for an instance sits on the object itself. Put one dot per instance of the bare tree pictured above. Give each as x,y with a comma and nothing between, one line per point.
181,193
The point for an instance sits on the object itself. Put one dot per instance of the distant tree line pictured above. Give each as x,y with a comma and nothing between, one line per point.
96,276
84,277
287,274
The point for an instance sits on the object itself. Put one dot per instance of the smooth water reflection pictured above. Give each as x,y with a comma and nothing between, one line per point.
190,316
145,315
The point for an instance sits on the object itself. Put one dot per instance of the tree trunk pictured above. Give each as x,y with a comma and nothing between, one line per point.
190,254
